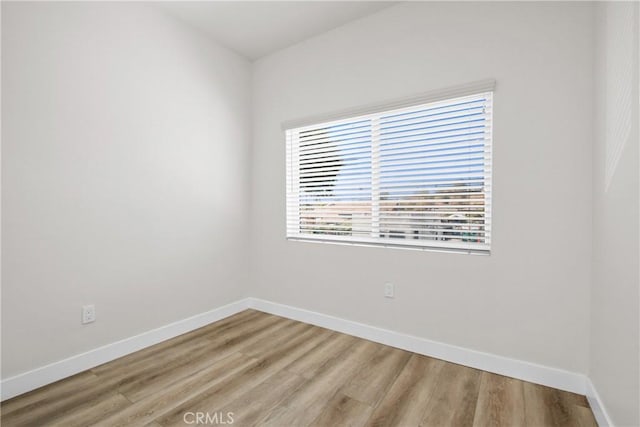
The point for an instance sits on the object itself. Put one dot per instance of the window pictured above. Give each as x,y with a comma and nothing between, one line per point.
412,176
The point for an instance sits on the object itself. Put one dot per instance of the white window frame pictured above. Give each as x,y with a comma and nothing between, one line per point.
293,128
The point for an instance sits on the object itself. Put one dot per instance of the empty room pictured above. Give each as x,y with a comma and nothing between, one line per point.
308,213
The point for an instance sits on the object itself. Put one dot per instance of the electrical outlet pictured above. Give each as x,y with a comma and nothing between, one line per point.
88,314
389,291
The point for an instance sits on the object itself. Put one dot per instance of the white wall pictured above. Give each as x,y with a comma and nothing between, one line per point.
530,299
124,176
615,358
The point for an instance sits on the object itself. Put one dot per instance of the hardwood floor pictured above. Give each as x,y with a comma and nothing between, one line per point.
258,369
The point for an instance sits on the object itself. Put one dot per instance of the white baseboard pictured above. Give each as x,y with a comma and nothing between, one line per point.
527,371
597,406
44,375
519,369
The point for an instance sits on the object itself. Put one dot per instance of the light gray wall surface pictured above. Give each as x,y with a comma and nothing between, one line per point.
529,300
125,162
615,359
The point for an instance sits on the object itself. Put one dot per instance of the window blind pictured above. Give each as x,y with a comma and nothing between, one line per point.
417,176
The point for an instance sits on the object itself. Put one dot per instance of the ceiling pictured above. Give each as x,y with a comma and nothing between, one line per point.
257,28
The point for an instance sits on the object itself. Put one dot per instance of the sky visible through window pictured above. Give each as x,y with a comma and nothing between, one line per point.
429,145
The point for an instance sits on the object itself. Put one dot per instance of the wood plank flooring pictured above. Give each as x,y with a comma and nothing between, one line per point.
257,369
